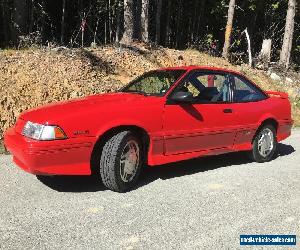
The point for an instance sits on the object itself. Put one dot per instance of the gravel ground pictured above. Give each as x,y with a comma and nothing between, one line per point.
200,204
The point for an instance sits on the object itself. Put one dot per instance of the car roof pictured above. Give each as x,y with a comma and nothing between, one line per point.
195,67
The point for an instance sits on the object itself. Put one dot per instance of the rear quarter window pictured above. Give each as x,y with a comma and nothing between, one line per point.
246,91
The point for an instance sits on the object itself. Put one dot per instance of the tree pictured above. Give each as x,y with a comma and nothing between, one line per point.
145,20
264,56
228,28
118,24
178,29
128,22
285,53
178,24
5,23
20,14
157,21
168,19
62,24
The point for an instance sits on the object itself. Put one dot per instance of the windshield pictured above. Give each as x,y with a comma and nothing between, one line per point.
154,82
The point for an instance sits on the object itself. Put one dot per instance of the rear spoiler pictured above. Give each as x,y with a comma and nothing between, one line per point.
277,94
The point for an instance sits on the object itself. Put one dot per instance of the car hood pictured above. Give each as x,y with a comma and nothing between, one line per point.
54,112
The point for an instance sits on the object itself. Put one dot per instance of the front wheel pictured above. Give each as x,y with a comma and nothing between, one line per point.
121,161
264,144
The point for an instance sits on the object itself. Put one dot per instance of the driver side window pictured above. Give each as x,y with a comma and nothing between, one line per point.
189,87
206,87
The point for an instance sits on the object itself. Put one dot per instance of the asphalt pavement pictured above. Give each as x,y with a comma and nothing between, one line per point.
204,203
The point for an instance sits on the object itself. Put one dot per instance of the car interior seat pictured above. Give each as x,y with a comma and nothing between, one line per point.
208,93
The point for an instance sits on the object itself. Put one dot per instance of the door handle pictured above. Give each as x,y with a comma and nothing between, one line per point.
227,111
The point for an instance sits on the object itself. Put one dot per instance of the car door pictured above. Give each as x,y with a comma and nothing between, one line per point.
208,122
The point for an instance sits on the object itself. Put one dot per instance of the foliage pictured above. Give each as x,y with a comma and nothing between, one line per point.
184,23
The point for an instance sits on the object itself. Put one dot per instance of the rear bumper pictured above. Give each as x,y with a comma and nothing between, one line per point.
284,129
61,157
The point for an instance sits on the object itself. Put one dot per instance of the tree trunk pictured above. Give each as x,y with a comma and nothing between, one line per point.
178,24
228,28
200,19
145,20
168,28
95,32
196,10
288,35
31,22
128,22
190,21
20,15
5,24
157,19
264,57
249,47
118,28
105,31
43,28
137,32
62,31
290,46
110,21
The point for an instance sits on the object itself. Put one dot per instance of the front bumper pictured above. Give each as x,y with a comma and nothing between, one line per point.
59,157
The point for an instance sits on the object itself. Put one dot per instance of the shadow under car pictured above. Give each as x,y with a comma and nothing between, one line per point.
150,174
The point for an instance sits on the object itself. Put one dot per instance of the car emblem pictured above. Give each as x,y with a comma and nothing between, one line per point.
81,132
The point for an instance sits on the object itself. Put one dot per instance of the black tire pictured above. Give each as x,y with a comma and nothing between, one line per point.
256,154
110,162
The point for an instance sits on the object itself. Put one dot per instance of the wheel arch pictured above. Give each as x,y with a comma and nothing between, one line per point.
271,120
98,146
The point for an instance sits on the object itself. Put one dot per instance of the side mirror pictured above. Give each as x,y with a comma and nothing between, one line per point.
183,97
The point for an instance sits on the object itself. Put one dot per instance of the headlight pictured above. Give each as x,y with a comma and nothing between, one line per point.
43,132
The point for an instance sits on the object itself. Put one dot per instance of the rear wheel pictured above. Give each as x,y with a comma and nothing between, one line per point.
121,161
264,144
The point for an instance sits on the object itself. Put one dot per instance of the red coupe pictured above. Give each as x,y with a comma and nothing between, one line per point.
163,116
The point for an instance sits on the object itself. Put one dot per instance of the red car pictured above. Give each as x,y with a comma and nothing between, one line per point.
163,116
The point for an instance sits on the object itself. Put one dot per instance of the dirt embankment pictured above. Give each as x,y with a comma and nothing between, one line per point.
33,77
